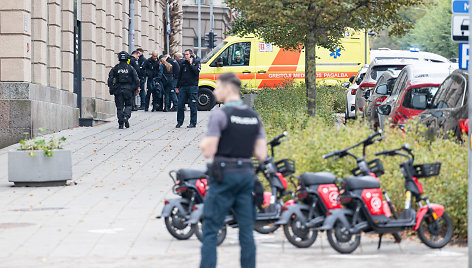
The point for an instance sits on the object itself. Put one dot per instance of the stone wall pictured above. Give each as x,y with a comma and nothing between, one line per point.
37,56
28,107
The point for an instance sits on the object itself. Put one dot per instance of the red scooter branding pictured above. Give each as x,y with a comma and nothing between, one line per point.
329,193
202,186
373,199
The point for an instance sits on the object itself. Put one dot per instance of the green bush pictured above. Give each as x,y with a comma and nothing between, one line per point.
310,138
285,106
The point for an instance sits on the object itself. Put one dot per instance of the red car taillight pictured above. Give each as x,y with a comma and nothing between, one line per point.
353,91
379,100
366,86
464,125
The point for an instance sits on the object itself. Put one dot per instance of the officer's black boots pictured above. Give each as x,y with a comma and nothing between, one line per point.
178,125
154,108
126,123
120,126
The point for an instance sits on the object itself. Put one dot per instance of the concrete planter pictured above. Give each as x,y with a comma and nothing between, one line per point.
40,170
248,99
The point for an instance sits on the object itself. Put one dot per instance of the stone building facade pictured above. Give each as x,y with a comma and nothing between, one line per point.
222,17
37,57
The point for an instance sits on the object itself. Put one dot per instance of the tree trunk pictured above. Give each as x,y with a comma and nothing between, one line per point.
176,18
310,72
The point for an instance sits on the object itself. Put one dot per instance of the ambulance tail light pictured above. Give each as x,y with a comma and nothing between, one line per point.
353,91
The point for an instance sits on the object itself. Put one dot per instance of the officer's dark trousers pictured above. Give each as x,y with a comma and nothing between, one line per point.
187,92
234,192
142,92
151,89
169,92
124,103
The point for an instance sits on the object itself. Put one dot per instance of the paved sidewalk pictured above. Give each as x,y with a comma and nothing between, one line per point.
108,219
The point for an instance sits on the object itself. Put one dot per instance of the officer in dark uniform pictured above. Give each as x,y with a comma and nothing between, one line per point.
235,134
187,87
142,78
123,81
133,61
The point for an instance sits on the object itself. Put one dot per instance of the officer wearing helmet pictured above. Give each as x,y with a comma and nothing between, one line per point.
123,81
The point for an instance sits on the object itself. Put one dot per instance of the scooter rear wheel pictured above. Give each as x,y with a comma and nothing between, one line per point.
176,225
299,235
435,233
341,240
199,234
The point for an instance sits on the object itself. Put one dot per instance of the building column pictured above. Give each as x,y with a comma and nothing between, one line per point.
125,25
101,51
54,43
151,25
110,38
145,27
39,38
89,56
138,24
118,26
68,45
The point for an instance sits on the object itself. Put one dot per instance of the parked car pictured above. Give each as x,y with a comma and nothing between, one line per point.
383,88
413,91
448,111
376,69
350,111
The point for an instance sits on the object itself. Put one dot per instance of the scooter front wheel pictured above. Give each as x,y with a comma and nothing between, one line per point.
176,225
435,233
199,234
341,240
299,235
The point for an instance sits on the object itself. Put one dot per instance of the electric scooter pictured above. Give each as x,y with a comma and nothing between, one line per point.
317,195
275,173
364,211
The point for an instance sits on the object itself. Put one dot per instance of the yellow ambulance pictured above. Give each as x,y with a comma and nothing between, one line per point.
259,64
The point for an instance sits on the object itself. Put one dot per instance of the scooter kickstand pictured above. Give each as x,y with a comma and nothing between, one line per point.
380,241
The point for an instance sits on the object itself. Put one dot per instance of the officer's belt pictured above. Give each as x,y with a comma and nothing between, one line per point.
232,162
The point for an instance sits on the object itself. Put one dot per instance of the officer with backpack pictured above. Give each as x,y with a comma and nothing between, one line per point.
235,134
123,81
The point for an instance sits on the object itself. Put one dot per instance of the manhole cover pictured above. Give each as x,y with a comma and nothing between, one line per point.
9,225
36,209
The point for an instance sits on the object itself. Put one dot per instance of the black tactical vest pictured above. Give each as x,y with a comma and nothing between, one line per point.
123,73
238,138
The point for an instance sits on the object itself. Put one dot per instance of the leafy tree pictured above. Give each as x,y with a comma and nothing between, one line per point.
432,33
297,24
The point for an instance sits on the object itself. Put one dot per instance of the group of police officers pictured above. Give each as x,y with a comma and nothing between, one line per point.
235,134
169,82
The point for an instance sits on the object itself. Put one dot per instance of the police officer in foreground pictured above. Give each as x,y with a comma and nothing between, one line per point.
123,81
235,134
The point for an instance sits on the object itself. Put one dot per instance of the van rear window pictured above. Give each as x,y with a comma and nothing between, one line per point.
377,71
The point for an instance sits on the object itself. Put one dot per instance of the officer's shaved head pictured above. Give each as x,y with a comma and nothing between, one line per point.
154,55
231,80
